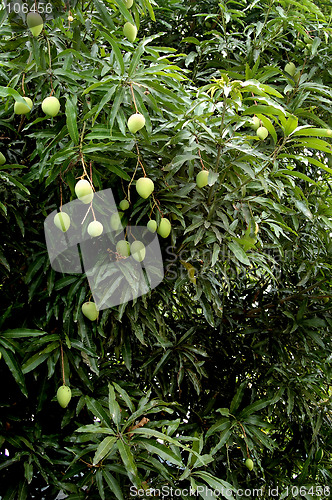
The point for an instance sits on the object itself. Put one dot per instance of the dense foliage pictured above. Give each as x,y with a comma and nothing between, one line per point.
230,356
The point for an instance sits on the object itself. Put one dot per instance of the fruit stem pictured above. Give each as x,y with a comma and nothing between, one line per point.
139,160
156,203
132,93
60,196
131,180
200,156
253,96
245,438
24,73
63,366
50,65
84,170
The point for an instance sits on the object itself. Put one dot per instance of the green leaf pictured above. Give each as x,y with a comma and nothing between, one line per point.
113,485
124,11
303,208
113,405
9,92
135,59
104,14
236,401
119,96
258,405
39,357
162,451
71,118
128,461
294,173
104,448
312,131
96,408
216,484
117,52
18,333
238,252
125,396
15,369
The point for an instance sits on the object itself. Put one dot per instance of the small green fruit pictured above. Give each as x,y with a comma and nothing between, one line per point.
51,106
319,454
249,464
95,228
290,68
164,228
202,178
128,3
137,250
116,223
144,187
0,354
84,192
130,31
63,395
35,23
21,108
90,310
2,159
124,204
262,133
255,123
152,225
123,248
136,122
62,221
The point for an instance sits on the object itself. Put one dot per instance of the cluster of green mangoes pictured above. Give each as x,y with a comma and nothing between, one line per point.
261,131
50,106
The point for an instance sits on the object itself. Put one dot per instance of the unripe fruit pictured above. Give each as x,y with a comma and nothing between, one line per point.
128,3
35,23
249,464
152,225
95,228
123,248
202,178
90,310
255,123
124,204
262,133
83,190
62,221
0,354
23,109
290,68
164,227
116,223
144,187
63,395
2,159
319,454
137,250
51,106
70,19
136,122
130,32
